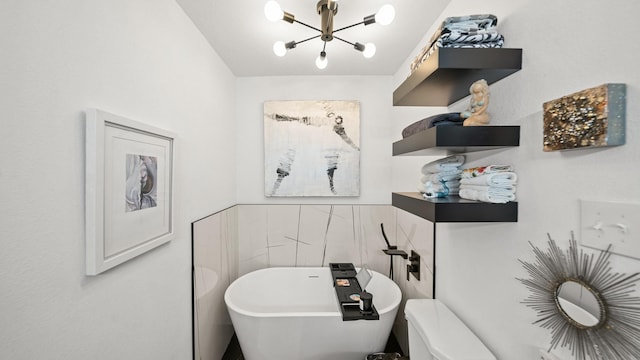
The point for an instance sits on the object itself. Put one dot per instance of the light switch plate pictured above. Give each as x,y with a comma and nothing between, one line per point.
615,223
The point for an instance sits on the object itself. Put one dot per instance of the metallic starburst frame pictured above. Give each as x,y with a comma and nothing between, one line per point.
617,334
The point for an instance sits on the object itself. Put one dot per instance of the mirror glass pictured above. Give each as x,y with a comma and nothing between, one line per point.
579,303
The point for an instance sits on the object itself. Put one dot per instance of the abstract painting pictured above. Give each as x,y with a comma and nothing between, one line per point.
589,118
312,148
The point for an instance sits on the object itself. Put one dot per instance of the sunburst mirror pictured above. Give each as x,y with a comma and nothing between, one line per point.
588,307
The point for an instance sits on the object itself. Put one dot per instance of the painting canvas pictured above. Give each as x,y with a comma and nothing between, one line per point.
589,118
312,148
129,189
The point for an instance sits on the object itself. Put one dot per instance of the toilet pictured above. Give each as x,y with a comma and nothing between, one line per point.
436,333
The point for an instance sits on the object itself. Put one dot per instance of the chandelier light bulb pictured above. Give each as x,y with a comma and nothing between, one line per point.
279,48
321,60
369,50
273,11
385,15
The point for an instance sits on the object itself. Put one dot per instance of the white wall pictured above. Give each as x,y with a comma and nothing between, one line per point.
375,123
144,60
568,46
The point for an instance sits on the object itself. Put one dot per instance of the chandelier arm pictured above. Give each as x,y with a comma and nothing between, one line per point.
311,38
309,26
348,27
343,40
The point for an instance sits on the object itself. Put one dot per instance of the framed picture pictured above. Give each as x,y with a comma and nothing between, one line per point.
312,148
129,189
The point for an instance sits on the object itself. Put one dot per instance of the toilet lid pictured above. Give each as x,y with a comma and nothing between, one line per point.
447,337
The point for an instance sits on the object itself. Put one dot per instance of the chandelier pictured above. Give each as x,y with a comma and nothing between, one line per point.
327,9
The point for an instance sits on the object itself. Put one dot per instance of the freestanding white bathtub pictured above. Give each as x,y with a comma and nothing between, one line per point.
293,314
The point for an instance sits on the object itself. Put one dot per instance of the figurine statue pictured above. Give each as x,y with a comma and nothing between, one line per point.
475,113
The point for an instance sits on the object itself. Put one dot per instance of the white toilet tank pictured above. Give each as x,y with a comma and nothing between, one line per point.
436,333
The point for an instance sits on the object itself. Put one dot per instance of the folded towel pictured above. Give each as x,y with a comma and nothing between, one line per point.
484,45
451,163
431,121
441,176
482,170
458,38
486,196
469,24
459,25
429,50
499,179
494,190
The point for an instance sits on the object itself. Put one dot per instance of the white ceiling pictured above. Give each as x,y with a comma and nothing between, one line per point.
243,37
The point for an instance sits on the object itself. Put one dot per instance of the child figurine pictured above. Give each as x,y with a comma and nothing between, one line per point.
475,113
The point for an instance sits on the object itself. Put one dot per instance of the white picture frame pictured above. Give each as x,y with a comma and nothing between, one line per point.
128,188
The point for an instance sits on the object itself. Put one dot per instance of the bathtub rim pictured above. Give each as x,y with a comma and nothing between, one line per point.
337,313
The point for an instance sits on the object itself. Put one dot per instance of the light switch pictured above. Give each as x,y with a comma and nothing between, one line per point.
615,223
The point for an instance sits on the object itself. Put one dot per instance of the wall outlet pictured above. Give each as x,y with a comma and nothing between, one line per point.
615,223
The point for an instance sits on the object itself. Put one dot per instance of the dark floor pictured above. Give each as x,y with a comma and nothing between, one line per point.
234,353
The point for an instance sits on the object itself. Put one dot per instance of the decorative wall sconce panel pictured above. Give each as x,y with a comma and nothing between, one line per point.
589,118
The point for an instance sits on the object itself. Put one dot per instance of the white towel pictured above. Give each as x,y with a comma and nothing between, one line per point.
483,170
485,196
446,164
495,190
499,179
441,176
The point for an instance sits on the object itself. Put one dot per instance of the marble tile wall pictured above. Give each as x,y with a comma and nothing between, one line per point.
215,266
251,237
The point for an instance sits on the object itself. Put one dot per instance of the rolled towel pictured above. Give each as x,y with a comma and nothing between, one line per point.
485,196
441,176
444,191
481,170
451,163
437,194
451,184
431,187
499,179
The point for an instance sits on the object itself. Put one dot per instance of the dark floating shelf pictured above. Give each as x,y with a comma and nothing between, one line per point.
446,75
442,79
454,209
458,139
